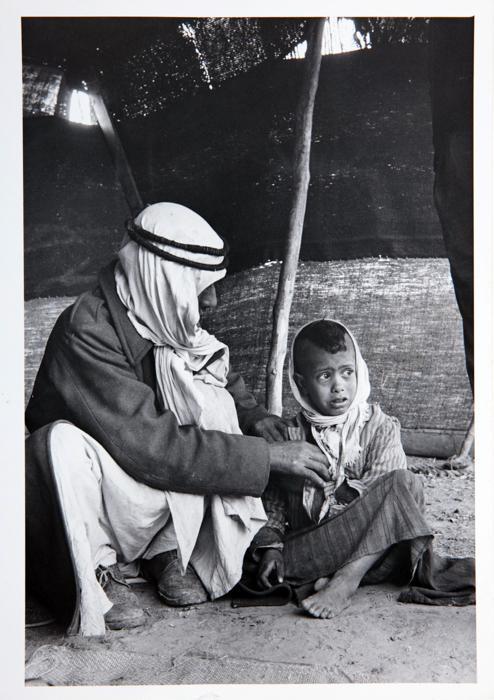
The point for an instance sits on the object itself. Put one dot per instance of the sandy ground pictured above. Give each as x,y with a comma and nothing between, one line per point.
377,639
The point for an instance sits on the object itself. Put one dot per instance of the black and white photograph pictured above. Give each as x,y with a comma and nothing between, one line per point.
250,460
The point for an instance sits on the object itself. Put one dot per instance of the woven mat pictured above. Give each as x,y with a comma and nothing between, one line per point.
403,313
61,665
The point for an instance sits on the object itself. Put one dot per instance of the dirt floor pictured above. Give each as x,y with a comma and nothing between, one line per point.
376,640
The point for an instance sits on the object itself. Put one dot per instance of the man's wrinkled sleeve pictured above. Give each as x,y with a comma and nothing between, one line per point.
86,379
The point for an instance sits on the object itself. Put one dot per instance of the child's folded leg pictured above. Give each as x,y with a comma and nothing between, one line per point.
389,512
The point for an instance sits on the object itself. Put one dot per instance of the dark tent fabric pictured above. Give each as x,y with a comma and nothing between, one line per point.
224,143
228,152
452,113
146,64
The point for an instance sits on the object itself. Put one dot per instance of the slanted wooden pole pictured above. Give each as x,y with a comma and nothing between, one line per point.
122,167
464,458
301,178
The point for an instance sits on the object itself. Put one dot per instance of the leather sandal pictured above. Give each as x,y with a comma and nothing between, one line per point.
174,588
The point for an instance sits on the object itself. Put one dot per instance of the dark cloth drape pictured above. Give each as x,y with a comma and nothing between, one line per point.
451,75
442,581
49,570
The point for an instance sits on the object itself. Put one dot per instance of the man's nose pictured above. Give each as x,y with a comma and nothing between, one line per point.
208,298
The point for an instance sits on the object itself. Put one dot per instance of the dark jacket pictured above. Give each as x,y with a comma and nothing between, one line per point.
98,373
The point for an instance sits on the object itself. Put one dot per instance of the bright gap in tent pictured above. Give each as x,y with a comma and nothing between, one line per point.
340,36
80,110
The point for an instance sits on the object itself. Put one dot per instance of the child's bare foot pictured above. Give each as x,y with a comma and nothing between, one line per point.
321,583
331,598
334,595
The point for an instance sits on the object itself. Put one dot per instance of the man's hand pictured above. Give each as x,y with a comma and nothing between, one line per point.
271,563
299,458
271,428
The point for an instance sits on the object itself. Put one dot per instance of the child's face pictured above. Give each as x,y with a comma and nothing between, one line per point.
328,381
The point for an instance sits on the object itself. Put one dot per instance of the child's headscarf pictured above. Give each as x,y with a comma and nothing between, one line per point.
337,436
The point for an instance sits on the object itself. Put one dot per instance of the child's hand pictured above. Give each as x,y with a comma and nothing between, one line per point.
271,563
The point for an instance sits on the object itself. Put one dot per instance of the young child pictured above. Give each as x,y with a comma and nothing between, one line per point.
368,521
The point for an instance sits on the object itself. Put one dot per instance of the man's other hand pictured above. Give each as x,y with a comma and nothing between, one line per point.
271,564
271,428
299,458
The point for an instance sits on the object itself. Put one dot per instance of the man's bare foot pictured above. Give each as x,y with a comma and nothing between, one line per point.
331,598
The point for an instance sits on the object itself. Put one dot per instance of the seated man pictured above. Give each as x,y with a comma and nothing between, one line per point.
367,521
136,449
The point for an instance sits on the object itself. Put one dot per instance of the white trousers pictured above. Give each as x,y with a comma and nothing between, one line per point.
111,517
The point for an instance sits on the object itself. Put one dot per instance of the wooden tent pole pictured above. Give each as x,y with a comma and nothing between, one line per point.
464,458
301,178
122,167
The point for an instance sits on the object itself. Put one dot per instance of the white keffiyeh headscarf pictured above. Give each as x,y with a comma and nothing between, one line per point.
161,297
337,436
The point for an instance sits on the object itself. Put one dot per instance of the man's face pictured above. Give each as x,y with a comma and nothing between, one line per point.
208,299
327,381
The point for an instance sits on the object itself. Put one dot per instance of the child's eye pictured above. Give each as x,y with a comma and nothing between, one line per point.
325,375
348,372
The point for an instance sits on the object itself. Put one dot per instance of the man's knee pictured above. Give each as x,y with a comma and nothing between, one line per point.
65,436
70,449
59,437
64,430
